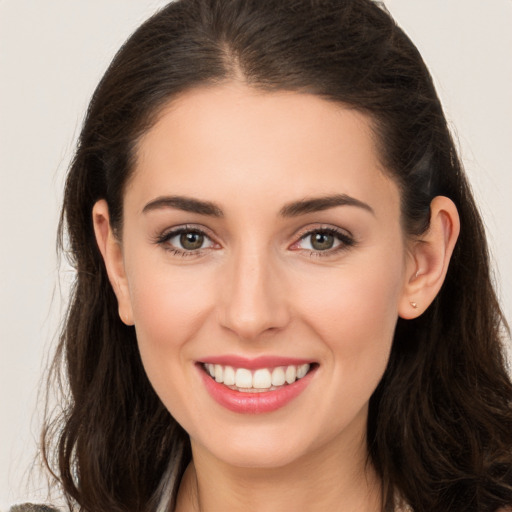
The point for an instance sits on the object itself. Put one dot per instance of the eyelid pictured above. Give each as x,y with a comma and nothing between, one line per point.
169,233
344,236
313,228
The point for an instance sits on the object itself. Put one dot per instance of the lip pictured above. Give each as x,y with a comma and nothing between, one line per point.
254,403
255,363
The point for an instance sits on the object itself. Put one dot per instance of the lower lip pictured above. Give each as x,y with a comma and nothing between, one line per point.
254,403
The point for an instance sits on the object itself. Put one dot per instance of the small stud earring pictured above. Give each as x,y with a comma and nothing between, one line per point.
414,305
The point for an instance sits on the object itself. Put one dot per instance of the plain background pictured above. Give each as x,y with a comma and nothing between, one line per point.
52,55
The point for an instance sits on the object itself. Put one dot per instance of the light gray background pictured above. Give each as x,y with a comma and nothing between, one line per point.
53,53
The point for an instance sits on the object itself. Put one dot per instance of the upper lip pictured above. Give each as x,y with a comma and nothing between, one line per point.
267,361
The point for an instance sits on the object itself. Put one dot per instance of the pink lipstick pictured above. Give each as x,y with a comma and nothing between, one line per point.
255,386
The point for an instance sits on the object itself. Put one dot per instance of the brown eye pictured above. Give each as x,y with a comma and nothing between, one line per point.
185,241
191,240
322,241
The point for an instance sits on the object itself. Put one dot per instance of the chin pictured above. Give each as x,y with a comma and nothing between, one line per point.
266,454
266,445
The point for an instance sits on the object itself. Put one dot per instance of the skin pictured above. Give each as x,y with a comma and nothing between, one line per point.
258,287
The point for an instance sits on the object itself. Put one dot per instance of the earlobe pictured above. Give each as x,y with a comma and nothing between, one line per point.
429,259
110,249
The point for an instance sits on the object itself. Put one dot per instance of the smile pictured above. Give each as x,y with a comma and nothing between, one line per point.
267,385
259,380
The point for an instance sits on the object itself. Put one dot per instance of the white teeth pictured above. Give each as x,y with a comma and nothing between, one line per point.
260,379
243,378
219,373
229,376
291,374
278,377
302,370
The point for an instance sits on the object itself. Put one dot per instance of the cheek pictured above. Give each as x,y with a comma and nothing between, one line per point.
168,310
356,315
167,303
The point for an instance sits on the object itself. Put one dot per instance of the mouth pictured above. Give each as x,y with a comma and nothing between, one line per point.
259,380
255,386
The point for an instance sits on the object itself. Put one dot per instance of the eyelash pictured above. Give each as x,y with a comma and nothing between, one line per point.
164,238
345,239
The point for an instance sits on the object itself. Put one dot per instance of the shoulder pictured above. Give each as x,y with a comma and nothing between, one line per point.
30,507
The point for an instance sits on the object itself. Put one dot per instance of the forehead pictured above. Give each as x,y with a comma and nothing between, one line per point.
232,139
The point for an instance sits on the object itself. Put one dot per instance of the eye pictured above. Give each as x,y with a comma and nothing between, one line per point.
190,240
320,241
324,241
185,241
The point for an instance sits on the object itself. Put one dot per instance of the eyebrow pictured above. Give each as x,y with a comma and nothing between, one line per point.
318,204
293,209
186,204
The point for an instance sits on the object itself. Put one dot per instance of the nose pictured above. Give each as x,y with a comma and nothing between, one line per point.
253,299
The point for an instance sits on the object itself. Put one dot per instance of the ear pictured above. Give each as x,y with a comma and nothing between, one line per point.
429,258
111,250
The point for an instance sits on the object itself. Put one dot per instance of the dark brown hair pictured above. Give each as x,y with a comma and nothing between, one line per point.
440,422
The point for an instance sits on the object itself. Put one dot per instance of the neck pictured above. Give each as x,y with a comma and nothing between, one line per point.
326,480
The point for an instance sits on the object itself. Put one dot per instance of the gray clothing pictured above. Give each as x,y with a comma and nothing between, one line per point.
30,507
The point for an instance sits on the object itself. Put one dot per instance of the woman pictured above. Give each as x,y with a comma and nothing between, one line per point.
283,297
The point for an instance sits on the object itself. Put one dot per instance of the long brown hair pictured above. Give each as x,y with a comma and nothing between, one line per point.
440,421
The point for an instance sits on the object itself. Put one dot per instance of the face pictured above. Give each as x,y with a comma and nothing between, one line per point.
264,265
